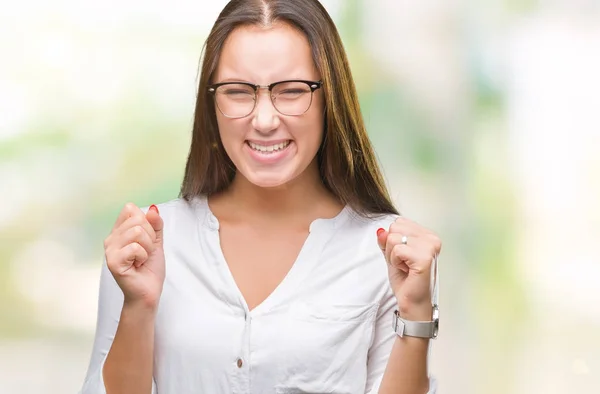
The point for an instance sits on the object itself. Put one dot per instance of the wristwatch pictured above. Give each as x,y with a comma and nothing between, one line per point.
420,329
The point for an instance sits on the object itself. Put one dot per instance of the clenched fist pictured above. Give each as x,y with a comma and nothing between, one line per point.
410,251
135,255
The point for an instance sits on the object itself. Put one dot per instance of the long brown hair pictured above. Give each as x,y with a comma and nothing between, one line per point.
347,163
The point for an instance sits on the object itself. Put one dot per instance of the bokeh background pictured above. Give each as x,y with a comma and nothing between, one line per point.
485,116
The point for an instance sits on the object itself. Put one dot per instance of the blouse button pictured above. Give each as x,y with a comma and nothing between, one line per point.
240,363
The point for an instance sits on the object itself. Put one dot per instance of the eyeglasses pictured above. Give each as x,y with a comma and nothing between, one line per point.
238,99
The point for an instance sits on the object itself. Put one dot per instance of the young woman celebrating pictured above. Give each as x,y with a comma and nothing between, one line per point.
283,267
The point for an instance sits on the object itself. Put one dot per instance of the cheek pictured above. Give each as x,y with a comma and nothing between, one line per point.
316,126
307,131
223,136
317,108
230,131
319,115
313,121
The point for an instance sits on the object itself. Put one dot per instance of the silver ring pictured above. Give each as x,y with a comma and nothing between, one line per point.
404,240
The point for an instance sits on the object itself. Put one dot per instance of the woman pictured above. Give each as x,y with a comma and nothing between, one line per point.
267,274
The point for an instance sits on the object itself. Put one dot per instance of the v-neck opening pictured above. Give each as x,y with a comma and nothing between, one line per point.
320,231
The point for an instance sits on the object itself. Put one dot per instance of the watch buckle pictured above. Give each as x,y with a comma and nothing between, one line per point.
436,321
398,325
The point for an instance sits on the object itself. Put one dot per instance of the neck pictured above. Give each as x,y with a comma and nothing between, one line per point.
300,199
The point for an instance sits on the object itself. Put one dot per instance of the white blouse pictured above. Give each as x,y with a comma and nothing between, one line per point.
327,327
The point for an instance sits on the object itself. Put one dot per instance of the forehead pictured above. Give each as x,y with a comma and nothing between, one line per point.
265,55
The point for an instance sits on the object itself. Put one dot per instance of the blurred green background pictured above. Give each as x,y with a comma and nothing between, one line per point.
484,116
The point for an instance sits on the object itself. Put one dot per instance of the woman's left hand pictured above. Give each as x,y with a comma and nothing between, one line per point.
410,250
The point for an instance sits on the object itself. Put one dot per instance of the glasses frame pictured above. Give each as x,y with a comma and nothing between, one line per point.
313,85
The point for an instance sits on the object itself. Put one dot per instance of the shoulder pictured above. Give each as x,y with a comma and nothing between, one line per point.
357,235
168,208
358,225
176,206
179,213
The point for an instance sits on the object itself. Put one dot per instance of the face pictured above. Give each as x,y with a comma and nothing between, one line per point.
268,148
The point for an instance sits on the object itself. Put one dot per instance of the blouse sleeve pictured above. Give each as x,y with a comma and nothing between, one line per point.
110,303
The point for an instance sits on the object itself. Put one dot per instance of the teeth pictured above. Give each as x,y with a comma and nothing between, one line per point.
269,148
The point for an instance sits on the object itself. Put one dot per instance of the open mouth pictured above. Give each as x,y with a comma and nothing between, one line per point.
268,149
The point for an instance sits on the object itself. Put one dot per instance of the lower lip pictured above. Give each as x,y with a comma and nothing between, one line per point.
269,157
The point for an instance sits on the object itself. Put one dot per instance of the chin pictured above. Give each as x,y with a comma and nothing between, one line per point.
269,181
270,177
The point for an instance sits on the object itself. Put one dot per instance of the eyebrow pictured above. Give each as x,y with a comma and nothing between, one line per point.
235,80
253,83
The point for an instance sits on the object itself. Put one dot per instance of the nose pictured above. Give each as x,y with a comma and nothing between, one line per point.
265,118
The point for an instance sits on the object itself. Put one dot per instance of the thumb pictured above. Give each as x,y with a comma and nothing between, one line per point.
382,238
153,217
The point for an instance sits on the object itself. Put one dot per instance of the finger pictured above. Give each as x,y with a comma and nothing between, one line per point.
136,234
417,258
409,228
155,220
405,227
137,221
129,210
133,255
381,238
435,242
398,258
121,260
393,239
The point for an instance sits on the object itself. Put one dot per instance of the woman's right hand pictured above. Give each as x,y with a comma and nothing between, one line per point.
135,255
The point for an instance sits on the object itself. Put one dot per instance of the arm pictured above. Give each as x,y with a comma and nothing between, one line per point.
130,287
410,252
406,370
397,365
113,318
128,367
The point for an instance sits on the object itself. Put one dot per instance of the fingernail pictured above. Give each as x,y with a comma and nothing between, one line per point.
154,207
380,231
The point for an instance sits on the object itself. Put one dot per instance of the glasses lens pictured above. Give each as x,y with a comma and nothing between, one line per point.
292,98
235,100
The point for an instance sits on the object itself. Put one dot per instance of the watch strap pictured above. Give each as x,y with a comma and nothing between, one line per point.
419,329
